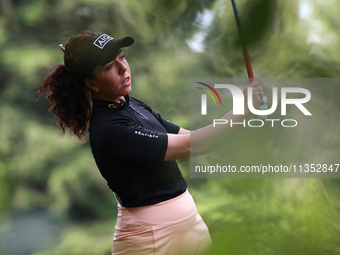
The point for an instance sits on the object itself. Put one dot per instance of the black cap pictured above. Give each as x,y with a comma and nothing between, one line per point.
102,51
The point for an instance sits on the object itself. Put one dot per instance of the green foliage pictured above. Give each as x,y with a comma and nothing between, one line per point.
282,216
259,21
86,239
5,189
28,61
40,171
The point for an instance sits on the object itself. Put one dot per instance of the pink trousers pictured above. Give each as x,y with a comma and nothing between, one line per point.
171,227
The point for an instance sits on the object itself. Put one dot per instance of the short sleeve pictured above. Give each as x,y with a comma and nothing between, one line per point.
129,141
169,126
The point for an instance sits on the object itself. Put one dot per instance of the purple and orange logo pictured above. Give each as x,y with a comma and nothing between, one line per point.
204,97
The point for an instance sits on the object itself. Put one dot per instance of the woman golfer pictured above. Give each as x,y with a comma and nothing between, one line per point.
134,148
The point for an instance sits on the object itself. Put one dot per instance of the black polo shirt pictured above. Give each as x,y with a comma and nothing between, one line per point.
129,142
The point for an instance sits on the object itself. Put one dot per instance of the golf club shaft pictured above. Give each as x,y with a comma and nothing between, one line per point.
244,46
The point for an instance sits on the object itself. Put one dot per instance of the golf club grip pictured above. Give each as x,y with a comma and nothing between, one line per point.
248,65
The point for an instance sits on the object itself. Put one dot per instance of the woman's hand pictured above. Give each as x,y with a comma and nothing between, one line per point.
257,97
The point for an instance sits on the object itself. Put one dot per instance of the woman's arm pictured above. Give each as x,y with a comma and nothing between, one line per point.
183,131
179,145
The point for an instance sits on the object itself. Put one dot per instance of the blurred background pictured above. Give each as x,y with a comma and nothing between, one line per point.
52,197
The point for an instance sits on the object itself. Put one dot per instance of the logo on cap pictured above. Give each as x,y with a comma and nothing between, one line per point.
102,40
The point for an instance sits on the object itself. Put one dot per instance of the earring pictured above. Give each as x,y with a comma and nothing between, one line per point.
95,90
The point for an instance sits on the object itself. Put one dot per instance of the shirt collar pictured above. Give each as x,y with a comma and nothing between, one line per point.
111,105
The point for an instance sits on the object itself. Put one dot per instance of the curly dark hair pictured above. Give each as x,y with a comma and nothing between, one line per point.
65,87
